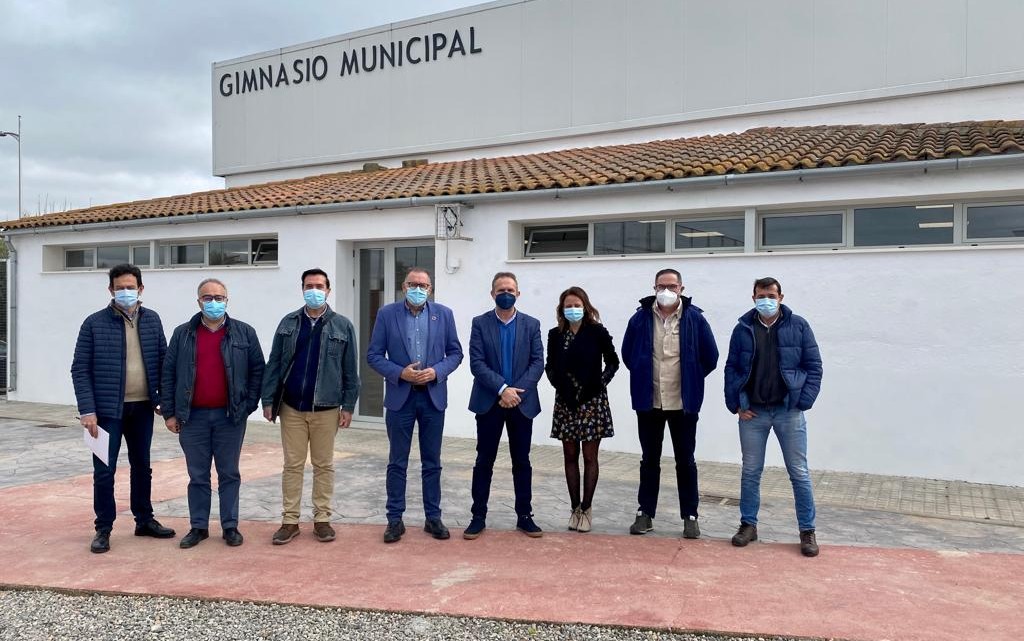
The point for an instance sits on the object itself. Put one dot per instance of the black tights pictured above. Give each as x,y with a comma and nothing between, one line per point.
571,453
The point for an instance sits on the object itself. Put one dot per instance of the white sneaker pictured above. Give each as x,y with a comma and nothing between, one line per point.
586,520
574,519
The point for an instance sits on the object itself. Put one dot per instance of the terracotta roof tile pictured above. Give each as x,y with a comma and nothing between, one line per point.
765,149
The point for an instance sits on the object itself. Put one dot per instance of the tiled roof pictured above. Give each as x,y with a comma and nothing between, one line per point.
765,149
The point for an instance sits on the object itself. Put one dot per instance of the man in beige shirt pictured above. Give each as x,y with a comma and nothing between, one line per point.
116,373
669,350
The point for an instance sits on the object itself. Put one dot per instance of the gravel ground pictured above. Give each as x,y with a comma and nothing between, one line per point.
32,615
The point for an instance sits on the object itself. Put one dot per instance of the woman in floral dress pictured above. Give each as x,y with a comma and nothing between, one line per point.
581,361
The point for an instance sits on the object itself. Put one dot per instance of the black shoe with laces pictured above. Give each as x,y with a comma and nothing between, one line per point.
154,529
192,539
744,535
100,543
643,524
808,543
232,537
394,531
436,529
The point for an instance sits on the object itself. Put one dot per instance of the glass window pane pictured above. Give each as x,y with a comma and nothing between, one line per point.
817,229
264,251
921,225
709,234
556,240
140,256
78,258
107,257
634,237
182,255
998,221
229,252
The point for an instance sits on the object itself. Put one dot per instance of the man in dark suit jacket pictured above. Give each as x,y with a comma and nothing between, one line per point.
507,360
415,347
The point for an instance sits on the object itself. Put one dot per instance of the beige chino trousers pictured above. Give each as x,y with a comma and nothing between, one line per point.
312,433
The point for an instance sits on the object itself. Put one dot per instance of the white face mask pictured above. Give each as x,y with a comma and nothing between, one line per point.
667,297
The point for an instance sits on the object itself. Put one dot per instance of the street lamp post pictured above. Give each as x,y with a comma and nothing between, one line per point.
16,136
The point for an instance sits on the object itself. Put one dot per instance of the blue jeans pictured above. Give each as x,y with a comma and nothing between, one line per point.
791,430
419,409
488,435
136,426
212,435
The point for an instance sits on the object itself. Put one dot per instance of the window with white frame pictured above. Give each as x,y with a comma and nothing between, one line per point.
173,253
994,222
556,240
719,233
902,226
629,237
817,229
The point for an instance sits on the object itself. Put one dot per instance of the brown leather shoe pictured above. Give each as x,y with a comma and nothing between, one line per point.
285,533
744,535
808,544
323,531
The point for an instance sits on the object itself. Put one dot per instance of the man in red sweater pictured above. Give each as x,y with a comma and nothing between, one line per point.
212,375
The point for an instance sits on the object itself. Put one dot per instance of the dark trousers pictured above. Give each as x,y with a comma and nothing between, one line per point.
683,428
418,409
210,435
136,426
488,436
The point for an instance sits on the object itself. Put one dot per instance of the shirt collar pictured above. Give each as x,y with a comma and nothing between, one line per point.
506,322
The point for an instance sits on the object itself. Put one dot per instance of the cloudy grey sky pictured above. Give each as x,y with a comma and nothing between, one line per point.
115,94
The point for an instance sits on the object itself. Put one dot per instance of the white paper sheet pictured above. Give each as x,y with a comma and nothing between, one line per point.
100,446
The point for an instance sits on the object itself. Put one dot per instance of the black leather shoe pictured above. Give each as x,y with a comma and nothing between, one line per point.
232,536
154,529
394,531
100,543
436,529
193,538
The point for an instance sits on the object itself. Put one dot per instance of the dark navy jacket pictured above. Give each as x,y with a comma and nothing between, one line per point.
799,360
698,354
98,369
243,364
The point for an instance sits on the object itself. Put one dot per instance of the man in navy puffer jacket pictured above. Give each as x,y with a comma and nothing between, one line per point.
116,374
669,350
772,376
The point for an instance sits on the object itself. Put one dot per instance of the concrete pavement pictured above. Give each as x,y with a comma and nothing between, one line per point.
901,558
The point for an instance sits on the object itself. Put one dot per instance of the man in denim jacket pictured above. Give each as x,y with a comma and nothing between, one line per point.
312,383
772,376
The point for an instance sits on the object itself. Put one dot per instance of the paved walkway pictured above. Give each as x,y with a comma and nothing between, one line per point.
901,558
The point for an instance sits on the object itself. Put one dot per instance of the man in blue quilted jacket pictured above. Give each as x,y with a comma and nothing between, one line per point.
116,374
772,376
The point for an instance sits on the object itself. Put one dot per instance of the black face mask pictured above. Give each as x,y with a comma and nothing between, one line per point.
505,300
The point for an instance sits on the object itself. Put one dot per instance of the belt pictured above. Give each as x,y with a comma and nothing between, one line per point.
419,388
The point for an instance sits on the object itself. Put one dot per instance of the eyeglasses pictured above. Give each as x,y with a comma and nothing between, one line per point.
420,285
209,298
672,287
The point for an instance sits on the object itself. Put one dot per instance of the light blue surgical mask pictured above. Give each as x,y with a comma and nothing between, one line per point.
315,298
126,298
416,296
573,314
214,309
766,307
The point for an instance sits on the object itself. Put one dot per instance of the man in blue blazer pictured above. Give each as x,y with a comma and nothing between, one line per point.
507,360
415,347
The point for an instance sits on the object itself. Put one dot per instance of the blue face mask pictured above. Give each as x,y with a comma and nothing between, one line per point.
766,307
416,296
315,298
505,300
126,298
573,314
214,310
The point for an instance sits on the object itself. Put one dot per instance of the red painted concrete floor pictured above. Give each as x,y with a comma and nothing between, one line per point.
847,592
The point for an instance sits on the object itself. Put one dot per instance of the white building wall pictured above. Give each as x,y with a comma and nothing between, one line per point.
922,349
